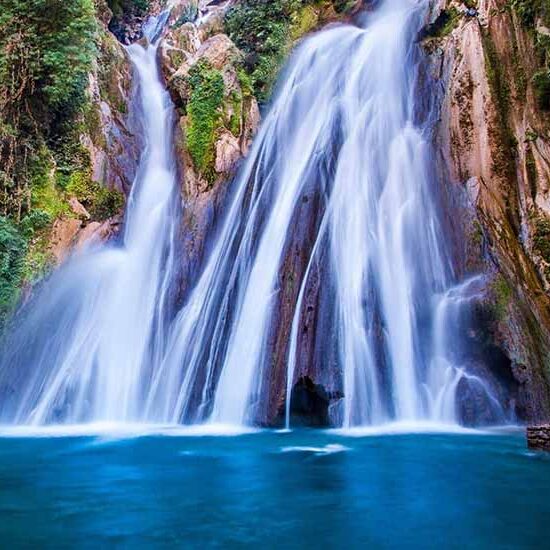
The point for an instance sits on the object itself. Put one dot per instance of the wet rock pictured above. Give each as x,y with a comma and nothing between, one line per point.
64,232
496,171
218,51
112,136
538,437
228,152
309,404
98,232
78,209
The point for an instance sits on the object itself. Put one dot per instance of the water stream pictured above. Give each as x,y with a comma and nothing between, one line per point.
99,344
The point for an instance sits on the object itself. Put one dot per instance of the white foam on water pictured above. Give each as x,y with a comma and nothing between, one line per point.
123,430
404,428
329,449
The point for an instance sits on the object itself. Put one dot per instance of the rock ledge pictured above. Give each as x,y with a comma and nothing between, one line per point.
538,437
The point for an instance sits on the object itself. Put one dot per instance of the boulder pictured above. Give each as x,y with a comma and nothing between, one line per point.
63,234
538,437
228,152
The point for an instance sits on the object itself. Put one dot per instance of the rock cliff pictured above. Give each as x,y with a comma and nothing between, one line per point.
491,137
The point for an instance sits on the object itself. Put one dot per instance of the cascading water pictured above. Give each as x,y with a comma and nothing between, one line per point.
342,128
343,119
94,333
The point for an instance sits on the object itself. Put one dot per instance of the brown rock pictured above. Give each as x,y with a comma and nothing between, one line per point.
218,51
78,208
64,232
96,232
538,437
496,162
228,152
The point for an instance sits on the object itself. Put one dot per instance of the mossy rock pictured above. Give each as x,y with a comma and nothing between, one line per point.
204,112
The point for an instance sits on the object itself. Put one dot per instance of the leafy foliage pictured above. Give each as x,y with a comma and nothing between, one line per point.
46,51
203,110
541,85
265,30
121,7
531,10
260,30
13,248
101,203
532,13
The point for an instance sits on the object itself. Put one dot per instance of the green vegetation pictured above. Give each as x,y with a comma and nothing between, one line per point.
100,202
529,11
541,87
502,297
122,7
541,238
13,248
265,30
532,13
444,24
47,50
203,112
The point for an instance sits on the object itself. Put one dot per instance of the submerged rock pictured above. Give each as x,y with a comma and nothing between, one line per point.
538,437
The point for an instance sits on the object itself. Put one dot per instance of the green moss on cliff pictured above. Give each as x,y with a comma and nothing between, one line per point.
123,7
13,248
541,87
506,151
206,90
541,238
502,294
100,202
445,23
529,11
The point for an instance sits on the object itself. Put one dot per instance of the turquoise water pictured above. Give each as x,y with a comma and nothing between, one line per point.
306,489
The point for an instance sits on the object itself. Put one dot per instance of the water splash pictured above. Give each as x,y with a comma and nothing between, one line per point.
342,129
96,330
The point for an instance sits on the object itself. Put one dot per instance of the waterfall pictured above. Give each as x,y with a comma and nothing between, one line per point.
341,153
342,121
96,330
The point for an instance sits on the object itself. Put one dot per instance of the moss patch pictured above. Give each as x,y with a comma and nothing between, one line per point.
206,90
445,23
541,238
101,203
502,294
541,88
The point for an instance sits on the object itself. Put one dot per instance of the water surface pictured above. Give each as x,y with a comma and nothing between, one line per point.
302,489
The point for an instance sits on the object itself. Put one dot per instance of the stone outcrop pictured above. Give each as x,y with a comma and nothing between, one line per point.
111,135
538,438
492,141
113,130
202,50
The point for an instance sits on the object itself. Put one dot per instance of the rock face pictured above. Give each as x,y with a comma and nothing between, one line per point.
113,138
201,67
492,142
538,437
110,135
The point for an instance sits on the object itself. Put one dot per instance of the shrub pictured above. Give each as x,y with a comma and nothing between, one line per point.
101,203
13,248
47,48
261,30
